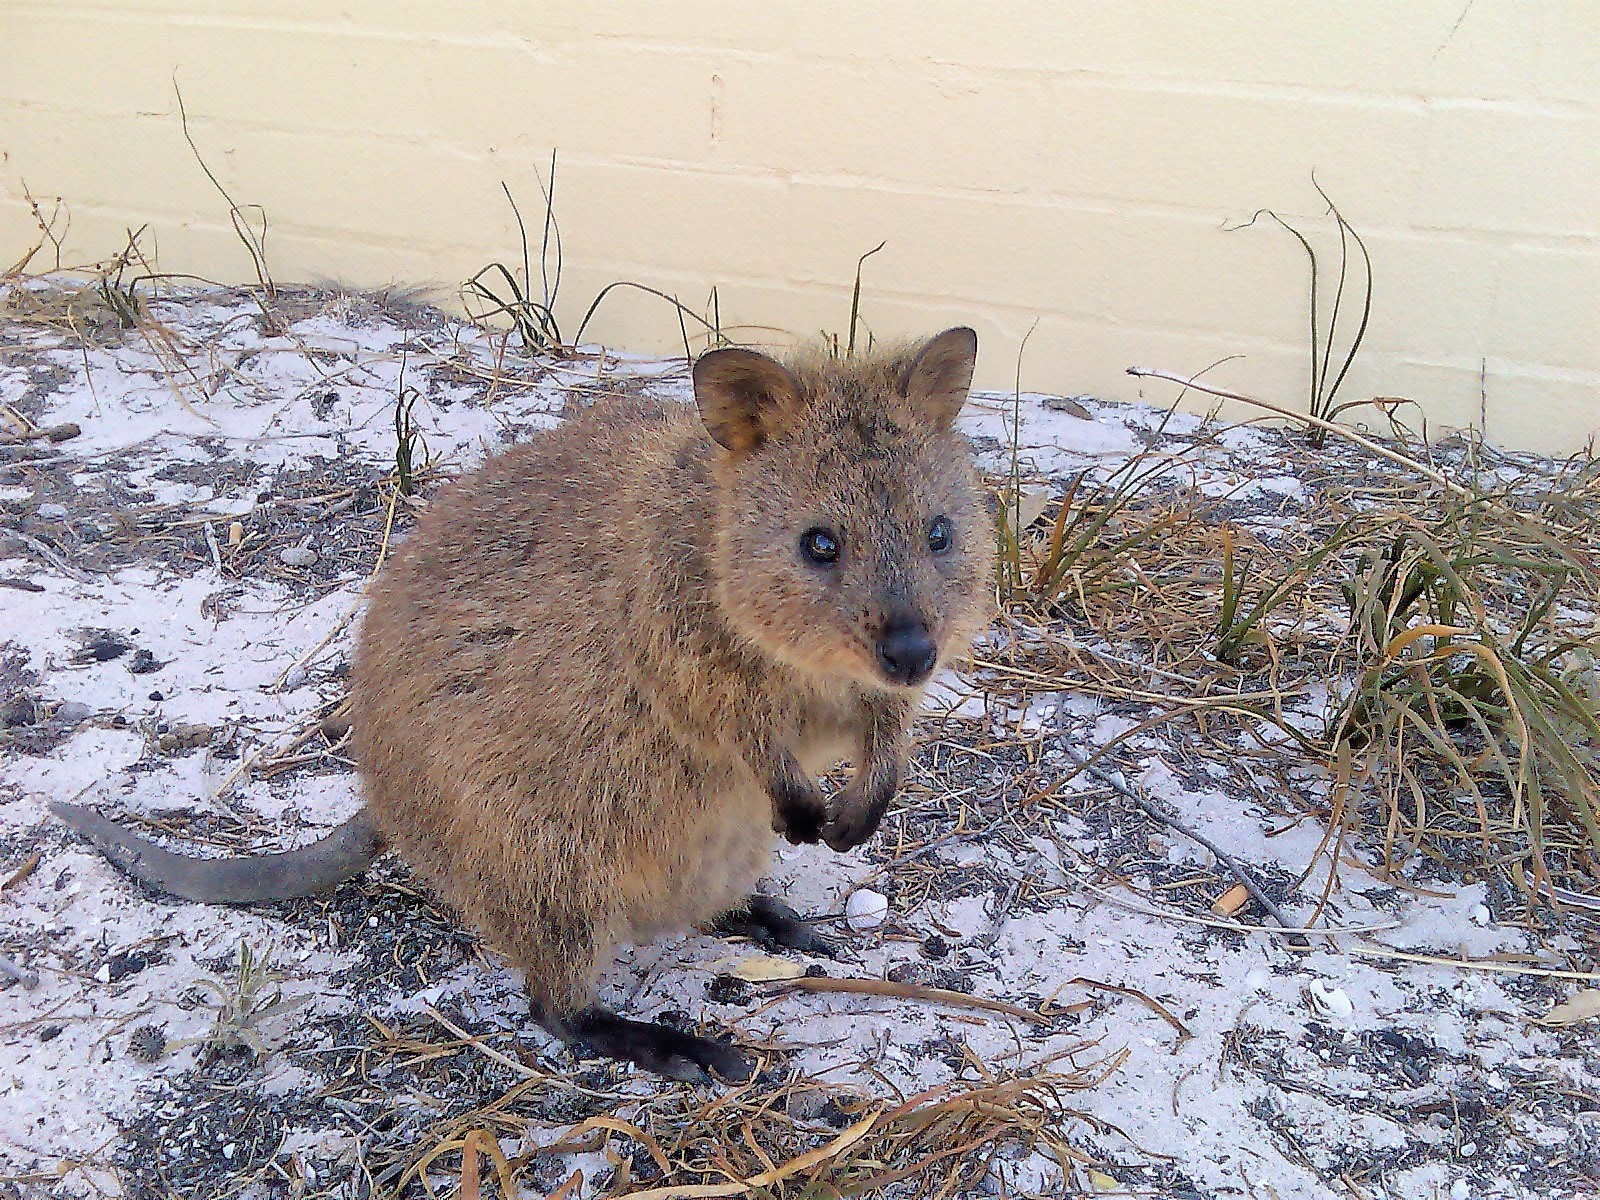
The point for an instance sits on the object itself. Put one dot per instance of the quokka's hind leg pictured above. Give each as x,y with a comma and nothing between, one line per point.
773,925
559,953
655,1047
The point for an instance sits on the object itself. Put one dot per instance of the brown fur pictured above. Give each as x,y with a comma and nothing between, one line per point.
584,678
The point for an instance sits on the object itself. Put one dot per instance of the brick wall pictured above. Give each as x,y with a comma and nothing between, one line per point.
1070,165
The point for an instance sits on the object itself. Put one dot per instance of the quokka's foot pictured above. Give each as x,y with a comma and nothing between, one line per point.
659,1048
773,925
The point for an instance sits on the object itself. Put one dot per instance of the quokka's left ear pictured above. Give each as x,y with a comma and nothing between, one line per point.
940,375
744,397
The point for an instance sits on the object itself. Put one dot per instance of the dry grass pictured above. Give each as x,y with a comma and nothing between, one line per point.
795,1139
1456,628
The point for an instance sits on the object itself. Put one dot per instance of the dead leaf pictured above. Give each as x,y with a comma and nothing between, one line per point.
762,968
1070,406
1581,1007
470,1180
1029,505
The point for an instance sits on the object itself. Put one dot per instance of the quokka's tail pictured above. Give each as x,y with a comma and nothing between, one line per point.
309,871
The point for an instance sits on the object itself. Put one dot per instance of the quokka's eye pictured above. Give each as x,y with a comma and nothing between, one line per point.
940,535
819,546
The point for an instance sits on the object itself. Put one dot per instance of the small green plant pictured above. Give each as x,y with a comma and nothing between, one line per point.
1242,617
532,316
254,995
1093,542
407,442
245,218
855,305
498,291
1327,375
119,294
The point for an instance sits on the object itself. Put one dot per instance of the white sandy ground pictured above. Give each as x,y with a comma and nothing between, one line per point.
61,1100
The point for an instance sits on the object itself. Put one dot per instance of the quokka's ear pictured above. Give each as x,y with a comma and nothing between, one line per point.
940,375
743,396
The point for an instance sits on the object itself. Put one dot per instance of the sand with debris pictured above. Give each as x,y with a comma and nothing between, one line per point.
178,585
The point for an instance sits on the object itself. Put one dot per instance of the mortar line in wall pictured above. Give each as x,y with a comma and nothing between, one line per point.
1143,81
1572,245
1537,106
1041,199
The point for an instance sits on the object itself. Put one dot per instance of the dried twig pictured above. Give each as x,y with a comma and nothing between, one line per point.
1115,780
909,991
1369,950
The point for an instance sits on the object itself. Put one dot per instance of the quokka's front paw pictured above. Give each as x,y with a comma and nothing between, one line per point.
854,820
798,811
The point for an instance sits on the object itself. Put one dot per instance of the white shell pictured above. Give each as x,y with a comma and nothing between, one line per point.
1332,1000
866,909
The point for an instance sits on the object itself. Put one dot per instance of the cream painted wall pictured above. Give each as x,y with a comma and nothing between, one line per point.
1070,164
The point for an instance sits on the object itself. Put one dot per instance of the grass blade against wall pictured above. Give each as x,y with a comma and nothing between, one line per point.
496,285
1325,378
242,217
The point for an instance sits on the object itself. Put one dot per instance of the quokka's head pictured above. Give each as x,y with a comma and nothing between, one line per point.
852,538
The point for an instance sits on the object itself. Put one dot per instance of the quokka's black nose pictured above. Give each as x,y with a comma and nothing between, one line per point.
905,651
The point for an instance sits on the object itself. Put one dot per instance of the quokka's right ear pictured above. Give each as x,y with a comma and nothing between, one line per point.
940,375
743,396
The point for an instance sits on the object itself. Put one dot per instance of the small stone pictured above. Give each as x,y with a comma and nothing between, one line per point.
922,975
49,1033
104,973
143,662
1071,405
130,962
866,909
297,556
934,946
1481,916
157,696
52,512
293,678
70,712
805,1104
916,973
1460,1190
183,737
102,646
